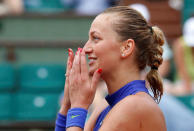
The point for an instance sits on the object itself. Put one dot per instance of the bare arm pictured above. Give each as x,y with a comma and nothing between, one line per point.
180,65
164,68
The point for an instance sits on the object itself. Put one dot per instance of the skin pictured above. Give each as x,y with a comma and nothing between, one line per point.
15,6
164,68
180,65
104,50
66,101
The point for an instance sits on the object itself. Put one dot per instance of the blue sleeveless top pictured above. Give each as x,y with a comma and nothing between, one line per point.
129,89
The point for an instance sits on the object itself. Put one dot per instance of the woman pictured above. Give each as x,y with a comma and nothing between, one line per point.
121,44
183,49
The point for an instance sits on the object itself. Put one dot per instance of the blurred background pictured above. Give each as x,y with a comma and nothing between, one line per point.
34,39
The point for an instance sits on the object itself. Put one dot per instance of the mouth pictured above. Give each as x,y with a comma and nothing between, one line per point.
92,60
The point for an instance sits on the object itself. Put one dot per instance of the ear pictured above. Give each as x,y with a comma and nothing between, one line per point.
127,48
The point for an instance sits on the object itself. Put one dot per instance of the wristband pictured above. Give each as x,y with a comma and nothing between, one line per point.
76,117
61,120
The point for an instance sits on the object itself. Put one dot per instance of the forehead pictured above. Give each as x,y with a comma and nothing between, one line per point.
103,18
102,23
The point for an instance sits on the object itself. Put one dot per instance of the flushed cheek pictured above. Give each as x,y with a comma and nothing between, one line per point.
107,62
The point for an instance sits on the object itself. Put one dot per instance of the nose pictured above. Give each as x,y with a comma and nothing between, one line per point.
88,48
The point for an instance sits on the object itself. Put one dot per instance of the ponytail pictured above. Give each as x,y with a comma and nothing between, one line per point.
148,41
154,61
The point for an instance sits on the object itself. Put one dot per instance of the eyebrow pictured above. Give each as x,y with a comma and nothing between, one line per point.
93,32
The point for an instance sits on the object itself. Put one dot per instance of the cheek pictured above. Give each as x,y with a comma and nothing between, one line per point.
108,60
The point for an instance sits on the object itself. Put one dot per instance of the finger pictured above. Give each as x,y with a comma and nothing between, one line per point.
71,57
69,61
96,78
84,68
68,69
75,70
69,65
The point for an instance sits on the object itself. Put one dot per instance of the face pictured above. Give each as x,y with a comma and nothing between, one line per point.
103,45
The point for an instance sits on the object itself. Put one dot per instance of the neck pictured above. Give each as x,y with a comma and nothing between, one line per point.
117,79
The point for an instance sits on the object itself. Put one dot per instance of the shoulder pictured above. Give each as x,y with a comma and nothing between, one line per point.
139,106
139,103
135,112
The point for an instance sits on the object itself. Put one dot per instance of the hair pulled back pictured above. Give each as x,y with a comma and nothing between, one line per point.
130,24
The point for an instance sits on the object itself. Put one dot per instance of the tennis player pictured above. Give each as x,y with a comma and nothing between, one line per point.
121,44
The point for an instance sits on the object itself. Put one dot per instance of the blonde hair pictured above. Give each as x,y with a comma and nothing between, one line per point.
130,24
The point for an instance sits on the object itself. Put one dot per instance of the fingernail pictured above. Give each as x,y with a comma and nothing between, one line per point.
69,53
99,71
69,50
80,49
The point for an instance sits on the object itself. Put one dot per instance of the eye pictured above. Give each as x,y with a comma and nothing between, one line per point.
95,38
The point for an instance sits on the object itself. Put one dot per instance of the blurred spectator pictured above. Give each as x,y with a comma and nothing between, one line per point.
176,4
40,6
47,6
184,57
82,7
178,117
69,3
142,9
11,7
167,56
93,7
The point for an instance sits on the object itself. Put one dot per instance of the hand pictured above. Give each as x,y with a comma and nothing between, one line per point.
66,101
81,89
